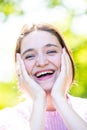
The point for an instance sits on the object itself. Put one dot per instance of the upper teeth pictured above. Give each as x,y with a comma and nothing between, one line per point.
42,73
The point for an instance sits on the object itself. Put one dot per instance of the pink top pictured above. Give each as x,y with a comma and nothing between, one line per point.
54,121
17,118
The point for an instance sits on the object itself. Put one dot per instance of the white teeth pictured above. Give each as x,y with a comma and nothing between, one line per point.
43,73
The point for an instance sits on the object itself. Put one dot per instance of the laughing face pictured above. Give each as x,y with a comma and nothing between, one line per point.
41,53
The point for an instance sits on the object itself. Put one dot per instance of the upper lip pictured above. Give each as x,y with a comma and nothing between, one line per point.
43,71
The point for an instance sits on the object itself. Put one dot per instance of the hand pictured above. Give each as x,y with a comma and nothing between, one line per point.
26,82
64,79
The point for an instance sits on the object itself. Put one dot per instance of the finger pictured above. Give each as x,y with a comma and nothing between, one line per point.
68,65
22,66
63,63
20,80
18,69
25,74
23,69
68,70
61,78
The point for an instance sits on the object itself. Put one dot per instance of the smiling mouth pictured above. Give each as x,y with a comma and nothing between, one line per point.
44,74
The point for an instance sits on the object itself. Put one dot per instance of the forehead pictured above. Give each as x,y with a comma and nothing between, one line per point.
38,39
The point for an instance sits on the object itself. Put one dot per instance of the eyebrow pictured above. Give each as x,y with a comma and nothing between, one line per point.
28,50
49,45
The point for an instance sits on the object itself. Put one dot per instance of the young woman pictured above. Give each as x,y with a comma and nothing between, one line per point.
45,72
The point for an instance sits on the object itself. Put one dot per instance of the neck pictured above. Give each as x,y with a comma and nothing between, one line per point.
50,106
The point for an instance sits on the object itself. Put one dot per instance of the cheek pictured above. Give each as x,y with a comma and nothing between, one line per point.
28,66
56,60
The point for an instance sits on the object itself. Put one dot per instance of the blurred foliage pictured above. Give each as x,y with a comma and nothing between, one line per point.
77,43
9,7
70,9
9,94
53,3
80,54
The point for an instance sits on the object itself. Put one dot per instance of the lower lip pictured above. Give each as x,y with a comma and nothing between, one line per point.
45,78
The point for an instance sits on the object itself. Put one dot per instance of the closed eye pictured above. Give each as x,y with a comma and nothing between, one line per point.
30,57
51,52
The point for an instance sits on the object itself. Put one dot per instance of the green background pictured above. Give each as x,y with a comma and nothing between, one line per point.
9,94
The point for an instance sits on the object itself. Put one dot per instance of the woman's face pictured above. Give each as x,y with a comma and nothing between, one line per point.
41,53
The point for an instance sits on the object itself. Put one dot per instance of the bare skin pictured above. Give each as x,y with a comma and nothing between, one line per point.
46,76
59,90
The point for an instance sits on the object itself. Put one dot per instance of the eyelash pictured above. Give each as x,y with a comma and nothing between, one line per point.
30,57
52,52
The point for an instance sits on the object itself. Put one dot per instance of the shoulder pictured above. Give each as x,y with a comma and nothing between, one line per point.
15,117
24,109
79,105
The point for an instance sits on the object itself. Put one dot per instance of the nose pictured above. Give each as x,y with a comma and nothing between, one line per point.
41,60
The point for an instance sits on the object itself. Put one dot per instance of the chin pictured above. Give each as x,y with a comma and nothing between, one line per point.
47,87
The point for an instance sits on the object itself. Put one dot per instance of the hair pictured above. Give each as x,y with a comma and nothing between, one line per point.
43,27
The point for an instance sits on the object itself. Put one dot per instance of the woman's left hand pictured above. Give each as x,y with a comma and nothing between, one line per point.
64,79
59,90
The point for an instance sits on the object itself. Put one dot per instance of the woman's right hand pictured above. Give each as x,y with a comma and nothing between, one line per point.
36,121
26,82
